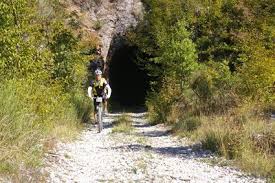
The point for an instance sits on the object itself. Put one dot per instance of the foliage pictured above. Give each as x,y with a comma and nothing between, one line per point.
42,73
246,140
187,124
177,52
210,58
97,25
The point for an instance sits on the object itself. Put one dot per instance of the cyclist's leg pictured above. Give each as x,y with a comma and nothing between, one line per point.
105,106
100,122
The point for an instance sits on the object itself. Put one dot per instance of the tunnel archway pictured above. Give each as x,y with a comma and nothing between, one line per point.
129,81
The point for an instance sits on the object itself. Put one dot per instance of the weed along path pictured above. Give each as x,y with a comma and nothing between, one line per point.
141,153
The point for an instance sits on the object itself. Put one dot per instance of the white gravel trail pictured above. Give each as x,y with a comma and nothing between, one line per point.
149,154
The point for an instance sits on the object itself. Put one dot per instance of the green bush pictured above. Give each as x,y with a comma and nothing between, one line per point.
214,61
202,86
158,109
41,75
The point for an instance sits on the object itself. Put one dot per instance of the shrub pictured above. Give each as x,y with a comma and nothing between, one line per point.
211,142
214,87
97,25
211,61
187,124
157,109
161,103
41,73
202,86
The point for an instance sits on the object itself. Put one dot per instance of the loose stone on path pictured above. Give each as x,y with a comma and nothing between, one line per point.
149,154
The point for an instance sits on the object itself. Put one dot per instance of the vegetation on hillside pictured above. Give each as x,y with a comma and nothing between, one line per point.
213,70
212,66
42,76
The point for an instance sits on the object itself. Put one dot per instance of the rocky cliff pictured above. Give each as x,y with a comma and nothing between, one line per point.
108,18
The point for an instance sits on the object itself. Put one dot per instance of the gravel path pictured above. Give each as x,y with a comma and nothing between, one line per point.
149,154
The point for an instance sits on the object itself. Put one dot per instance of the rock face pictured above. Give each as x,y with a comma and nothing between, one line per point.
110,18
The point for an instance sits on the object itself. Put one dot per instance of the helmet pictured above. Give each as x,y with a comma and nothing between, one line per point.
98,72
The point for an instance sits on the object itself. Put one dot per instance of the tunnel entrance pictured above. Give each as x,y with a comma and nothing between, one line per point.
128,80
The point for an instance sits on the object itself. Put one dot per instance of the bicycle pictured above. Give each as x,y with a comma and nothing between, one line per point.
99,109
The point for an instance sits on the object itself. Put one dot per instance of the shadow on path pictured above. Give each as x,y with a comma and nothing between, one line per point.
141,125
187,152
155,133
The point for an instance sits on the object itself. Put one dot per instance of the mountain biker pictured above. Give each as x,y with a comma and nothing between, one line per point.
99,88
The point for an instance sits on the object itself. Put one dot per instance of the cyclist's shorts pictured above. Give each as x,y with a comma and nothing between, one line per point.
96,103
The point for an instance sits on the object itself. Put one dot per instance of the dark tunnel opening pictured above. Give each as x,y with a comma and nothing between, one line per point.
128,80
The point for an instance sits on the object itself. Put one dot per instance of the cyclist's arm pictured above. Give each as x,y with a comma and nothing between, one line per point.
109,91
90,91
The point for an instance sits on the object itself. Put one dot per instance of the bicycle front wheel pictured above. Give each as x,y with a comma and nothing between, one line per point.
99,118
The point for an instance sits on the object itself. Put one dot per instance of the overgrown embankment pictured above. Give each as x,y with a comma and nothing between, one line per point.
42,76
45,49
212,67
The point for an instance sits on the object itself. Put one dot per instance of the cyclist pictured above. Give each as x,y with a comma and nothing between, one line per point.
99,88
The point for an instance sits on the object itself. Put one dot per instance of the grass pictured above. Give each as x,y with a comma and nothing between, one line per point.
241,134
246,141
32,119
185,126
142,140
123,125
141,164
